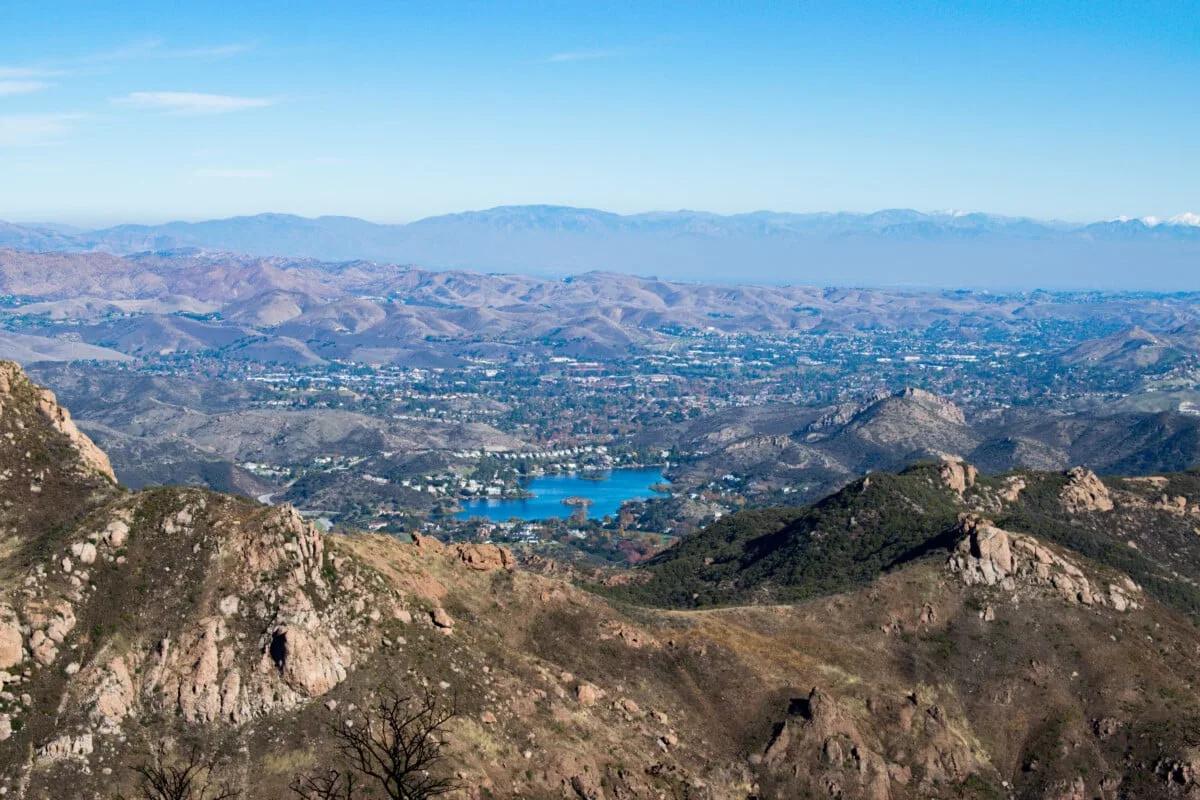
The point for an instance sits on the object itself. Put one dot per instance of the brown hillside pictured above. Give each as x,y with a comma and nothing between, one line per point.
1010,667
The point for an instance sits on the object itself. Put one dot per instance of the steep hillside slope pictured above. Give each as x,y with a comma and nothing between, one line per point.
1004,666
1146,527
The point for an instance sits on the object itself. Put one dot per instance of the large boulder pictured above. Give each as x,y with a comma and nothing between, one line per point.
1085,492
307,660
957,474
486,557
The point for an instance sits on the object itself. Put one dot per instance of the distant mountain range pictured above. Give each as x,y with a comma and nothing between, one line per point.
884,248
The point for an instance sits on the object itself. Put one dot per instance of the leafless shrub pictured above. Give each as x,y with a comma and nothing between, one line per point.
189,776
328,785
393,744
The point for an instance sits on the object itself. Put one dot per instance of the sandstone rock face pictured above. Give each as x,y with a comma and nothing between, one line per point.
67,747
989,556
427,543
1013,486
486,557
43,649
209,673
91,457
1085,492
285,542
85,552
306,659
192,671
61,623
113,697
60,420
957,475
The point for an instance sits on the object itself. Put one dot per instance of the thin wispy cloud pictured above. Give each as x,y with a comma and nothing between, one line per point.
9,88
214,51
191,103
32,130
154,47
581,55
142,49
26,73
126,52
233,174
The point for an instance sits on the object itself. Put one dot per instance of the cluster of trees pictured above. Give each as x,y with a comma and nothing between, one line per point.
393,749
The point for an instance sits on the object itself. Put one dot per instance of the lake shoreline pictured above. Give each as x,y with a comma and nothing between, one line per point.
604,494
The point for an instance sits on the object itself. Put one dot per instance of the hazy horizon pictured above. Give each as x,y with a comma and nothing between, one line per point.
1184,217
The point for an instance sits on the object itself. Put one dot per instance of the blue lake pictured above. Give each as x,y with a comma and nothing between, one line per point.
549,492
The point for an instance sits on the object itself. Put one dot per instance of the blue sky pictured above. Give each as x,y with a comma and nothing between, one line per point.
392,111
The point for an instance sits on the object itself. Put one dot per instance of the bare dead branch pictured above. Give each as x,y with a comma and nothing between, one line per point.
328,785
190,776
397,745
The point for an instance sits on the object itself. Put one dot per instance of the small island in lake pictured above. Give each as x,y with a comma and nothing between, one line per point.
576,501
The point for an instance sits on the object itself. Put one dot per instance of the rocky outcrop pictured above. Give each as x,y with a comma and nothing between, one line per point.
307,660
1015,562
1177,505
822,750
282,580
284,543
588,694
427,544
191,671
113,696
66,747
12,379
60,419
50,621
486,557
1085,492
957,474
1011,491
1180,775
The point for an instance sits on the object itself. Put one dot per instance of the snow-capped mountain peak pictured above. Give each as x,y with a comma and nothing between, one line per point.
1186,218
